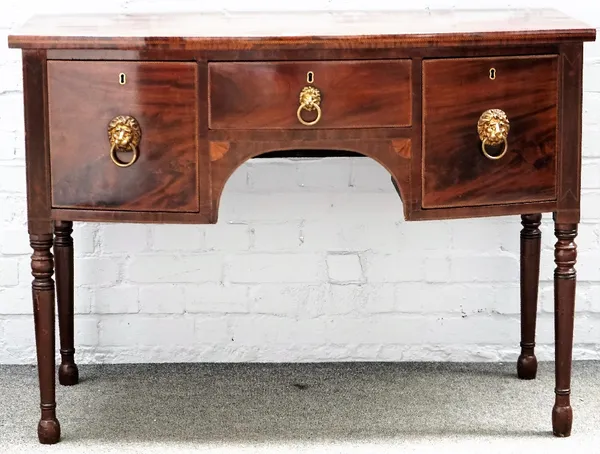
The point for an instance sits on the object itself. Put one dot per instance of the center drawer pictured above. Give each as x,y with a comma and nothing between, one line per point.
349,94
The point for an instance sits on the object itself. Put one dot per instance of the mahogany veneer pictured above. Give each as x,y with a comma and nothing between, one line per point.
356,94
455,172
143,118
84,96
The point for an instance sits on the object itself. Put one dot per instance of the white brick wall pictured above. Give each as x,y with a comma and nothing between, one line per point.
311,260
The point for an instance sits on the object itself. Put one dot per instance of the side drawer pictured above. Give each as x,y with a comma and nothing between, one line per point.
456,93
85,96
353,94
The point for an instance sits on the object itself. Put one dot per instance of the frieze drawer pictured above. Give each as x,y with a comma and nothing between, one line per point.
123,135
312,94
489,128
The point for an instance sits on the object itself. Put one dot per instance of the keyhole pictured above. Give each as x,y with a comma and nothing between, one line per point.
310,77
492,73
122,79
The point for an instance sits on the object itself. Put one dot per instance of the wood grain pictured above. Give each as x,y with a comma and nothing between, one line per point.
480,211
456,93
35,100
354,94
300,29
151,217
84,97
299,54
569,165
416,173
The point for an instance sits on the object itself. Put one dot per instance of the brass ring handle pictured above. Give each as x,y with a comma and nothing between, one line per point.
117,161
310,99
493,157
124,134
493,127
308,123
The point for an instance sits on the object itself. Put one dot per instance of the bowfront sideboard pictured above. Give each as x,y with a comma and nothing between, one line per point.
143,118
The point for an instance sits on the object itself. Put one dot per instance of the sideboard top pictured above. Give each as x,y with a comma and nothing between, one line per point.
299,29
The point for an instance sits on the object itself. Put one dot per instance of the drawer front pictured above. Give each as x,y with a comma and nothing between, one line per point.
456,93
266,95
83,98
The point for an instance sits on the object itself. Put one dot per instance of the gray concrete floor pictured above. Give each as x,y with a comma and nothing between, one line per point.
295,408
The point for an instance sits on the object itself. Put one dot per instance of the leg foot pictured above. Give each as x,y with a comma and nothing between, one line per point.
526,366
562,420
49,431
530,273
68,373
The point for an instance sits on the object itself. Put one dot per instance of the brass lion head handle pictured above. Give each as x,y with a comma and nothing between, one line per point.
493,127
310,99
124,135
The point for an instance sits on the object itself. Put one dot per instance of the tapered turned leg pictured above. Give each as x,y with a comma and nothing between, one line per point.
565,256
68,374
42,267
530,275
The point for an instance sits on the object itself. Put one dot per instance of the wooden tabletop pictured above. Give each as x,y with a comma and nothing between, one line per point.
310,29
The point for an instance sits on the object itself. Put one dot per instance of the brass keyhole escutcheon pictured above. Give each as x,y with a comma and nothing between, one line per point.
493,127
122,79
124,135
310,77
493,73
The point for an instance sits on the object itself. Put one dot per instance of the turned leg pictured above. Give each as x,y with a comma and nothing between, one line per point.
565,256
530,275
42,267
68,374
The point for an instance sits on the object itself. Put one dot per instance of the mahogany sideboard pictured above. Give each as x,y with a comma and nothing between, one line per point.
143,118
